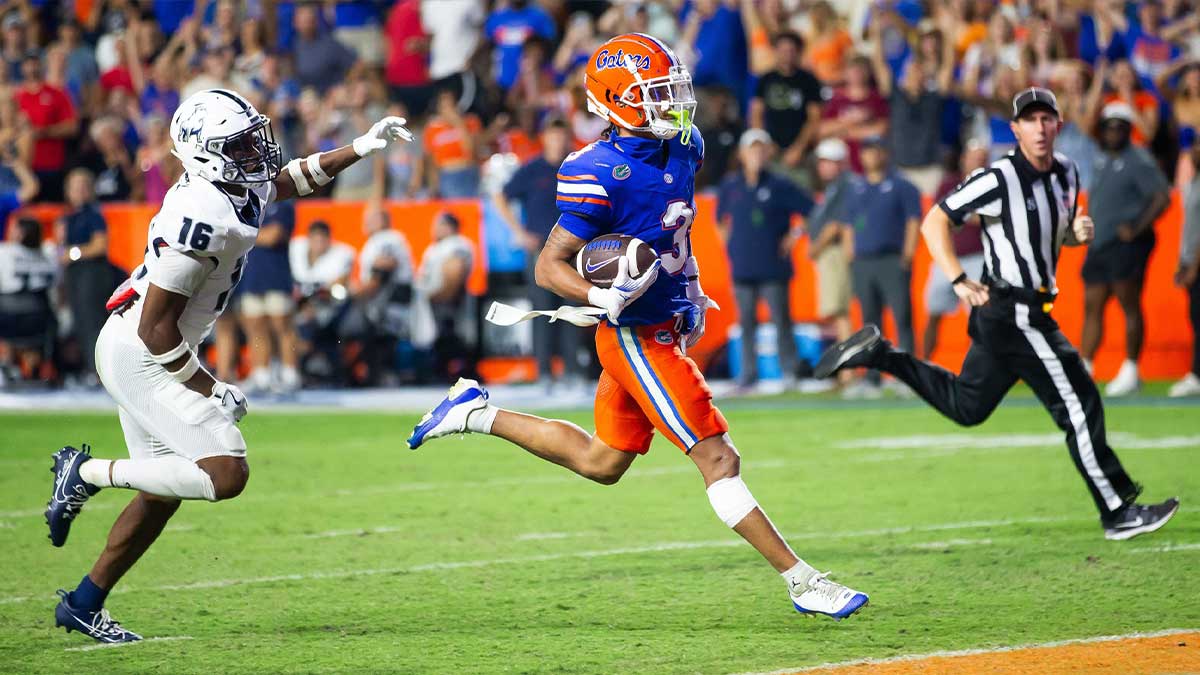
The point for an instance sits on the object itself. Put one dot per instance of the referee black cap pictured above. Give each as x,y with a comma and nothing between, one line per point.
1034,96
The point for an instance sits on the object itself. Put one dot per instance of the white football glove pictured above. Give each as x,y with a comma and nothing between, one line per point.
691,271
624,290
230,400
381,134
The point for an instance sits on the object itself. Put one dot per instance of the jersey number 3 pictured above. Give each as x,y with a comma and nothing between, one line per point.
678,218
201,234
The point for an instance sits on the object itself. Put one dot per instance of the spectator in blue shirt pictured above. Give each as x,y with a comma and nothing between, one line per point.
884,228
719,40
265,303
12,197
508,28
320,60
534,187
88,274
755,209
358,25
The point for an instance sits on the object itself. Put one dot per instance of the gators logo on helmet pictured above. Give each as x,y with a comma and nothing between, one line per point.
636,82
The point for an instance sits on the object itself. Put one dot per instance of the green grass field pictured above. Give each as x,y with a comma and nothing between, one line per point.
349,553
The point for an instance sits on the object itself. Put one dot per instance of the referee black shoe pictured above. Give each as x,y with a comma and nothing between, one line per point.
861,349
1135,519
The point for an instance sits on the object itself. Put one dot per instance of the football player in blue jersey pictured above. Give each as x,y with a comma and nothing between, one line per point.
640,181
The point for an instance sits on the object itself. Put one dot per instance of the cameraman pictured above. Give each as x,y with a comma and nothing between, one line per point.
321,269
27,325
381,311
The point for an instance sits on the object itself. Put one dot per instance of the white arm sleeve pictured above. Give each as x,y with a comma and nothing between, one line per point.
178,272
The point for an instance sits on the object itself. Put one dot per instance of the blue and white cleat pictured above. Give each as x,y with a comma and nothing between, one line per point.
823,596
97,625
450,416
70,492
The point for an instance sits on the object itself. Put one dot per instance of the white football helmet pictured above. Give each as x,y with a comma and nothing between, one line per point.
221,138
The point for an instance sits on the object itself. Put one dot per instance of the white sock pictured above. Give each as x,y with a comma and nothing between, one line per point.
480,421
95,471
799,574
167,477
1087,365
1131,365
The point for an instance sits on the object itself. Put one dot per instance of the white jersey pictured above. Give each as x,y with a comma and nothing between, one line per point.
389,243
200,220
24,270
329,268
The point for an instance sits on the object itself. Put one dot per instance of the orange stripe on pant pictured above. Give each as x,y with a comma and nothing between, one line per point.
647,384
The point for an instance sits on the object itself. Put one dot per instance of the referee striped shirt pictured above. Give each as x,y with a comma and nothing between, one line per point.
1026,216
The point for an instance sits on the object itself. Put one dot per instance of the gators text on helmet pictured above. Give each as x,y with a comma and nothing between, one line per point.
636,82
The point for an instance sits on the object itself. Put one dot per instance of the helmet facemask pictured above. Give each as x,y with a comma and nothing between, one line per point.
669,102
250,156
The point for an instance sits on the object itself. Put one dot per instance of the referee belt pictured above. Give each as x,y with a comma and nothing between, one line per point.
1039,298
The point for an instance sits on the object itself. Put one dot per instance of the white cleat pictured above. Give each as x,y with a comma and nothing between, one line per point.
1126,382
450,416
822,596
1188,386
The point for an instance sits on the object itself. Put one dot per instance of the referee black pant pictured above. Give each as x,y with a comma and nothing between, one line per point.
1012,341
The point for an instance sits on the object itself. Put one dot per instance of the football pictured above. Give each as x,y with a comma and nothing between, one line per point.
597,261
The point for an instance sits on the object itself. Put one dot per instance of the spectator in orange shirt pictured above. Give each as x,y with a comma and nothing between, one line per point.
829,45
450,143
1123,80
52,116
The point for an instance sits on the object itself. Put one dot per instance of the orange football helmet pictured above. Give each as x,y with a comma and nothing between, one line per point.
636,82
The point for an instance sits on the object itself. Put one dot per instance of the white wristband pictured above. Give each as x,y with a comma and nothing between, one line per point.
302,186
188,370
173,354
314,169
595,296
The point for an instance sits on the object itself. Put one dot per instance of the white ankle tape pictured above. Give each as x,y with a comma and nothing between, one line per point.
731,499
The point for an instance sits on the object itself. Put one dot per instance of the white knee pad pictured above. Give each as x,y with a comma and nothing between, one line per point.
731,499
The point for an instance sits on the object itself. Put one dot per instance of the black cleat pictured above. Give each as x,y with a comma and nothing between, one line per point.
1136,519
861,350
98,625
70,492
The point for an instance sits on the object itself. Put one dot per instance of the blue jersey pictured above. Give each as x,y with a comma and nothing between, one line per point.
643,188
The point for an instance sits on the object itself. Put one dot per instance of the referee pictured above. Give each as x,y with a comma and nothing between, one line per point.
1027,201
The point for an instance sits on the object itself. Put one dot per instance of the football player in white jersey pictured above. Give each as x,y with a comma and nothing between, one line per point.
180,422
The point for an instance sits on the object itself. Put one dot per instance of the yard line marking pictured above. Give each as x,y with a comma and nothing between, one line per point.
950,543
957,442
354,533
30,513
114,645
460,485
975,652
540,536
634,550
1166,548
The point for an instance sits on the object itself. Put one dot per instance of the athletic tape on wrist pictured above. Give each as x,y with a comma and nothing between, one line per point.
176,352
298,178
314,169
188,370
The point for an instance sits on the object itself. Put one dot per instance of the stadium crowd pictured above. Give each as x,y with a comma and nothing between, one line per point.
843,112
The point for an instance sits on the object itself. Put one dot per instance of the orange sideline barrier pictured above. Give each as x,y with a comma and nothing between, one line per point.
1167,351
128,223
